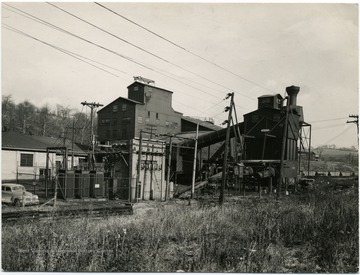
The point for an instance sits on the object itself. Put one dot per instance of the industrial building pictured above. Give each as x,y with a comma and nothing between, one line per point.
263,149
145,149
146,108
146,117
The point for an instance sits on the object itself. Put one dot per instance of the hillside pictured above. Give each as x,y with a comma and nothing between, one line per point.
331,166
335,152
346,157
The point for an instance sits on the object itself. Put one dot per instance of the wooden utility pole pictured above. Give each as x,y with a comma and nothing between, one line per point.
146,164
138,168
283,147
92,106
168,173
151,166
194,164
47,176
225,162
356,117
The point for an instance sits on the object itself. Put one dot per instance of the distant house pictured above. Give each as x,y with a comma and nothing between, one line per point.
23,157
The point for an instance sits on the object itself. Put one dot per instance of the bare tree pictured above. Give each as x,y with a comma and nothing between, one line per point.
44,118
25,116
8,111
64,120
82,127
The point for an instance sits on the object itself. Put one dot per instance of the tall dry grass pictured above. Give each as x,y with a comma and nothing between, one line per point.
317,233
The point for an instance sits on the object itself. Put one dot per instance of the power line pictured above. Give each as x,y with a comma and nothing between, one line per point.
340,134
81,38
70,53
54,47
181,47
142,49
104,48
330,119
328,127
39,20
356,121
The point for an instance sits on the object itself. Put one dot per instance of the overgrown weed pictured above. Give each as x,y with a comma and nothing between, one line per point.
317,233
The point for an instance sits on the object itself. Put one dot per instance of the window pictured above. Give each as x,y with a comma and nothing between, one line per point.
136,88
6,188
115,108
123,107
27,160
140,119
148,114
167,124
157,115
105,121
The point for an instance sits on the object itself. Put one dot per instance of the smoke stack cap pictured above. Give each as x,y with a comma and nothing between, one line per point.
292,91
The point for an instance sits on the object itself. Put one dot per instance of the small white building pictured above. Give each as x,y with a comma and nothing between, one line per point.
23,157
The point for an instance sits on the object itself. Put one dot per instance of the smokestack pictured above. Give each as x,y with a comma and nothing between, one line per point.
292,91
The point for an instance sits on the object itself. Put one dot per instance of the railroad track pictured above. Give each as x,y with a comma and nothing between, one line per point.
34,215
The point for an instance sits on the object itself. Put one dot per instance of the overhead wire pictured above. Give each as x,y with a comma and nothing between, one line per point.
340,134
54,47
104,48
70,53
328,127
181,47
330,119
140,48
148,52
39,20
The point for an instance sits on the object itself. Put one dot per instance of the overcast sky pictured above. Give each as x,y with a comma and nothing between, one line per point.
199,51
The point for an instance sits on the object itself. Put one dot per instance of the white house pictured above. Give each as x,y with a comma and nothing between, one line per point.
23,157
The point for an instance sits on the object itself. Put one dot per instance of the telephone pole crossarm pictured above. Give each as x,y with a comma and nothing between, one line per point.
92,106
356,121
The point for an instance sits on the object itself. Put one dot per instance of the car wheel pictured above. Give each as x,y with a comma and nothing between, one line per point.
17,203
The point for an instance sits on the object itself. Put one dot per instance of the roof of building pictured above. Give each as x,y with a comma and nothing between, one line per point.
152,86
15,140
278,95
123,98
202,123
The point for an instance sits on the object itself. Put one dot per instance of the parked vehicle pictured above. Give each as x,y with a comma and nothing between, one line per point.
16,194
